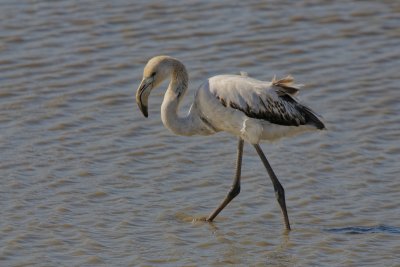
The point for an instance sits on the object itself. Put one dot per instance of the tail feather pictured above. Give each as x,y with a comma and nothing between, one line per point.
287,85
288,90
313,119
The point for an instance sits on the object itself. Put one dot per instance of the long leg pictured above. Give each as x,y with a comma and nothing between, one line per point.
235,189
279,191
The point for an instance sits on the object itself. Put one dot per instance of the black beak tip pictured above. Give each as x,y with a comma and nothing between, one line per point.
144,111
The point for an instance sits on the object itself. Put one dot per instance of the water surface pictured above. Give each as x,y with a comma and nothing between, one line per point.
87,181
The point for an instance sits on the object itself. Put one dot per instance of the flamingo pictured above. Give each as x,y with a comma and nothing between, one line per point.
245,107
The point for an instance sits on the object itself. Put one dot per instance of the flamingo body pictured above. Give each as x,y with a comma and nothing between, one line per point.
245,107
251,109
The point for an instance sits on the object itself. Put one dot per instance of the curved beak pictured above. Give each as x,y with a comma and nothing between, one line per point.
142,95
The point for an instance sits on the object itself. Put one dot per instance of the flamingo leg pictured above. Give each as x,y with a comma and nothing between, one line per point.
235,189
279,191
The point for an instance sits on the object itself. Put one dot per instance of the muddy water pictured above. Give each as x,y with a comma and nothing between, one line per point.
87,181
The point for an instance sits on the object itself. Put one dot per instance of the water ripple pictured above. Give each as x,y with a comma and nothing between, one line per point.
366,230
87,181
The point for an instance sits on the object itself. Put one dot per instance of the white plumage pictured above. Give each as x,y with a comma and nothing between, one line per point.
250,109
254,110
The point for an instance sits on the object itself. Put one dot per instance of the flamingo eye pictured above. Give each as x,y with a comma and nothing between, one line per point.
153,74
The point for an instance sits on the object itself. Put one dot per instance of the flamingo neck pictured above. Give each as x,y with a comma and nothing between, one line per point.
172,99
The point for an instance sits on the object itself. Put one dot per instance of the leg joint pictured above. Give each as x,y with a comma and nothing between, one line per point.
235,190
279,192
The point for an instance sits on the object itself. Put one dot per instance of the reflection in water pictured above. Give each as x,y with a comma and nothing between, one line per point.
233,246
280,256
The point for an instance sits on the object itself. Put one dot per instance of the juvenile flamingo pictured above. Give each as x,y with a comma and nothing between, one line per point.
250,109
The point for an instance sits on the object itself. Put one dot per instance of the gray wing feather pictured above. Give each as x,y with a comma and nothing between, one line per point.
273,102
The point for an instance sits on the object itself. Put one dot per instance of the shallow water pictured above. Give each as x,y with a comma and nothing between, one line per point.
87,181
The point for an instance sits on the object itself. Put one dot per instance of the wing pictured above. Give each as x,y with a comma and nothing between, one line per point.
274,101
